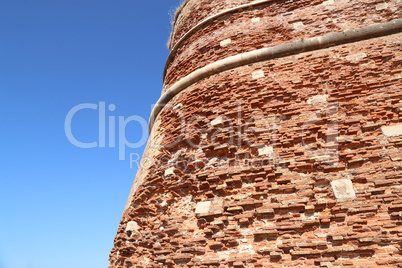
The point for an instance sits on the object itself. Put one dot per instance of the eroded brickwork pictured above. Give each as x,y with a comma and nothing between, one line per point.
195,11
272,24
289,162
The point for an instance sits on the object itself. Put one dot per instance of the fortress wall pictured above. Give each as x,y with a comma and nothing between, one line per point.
287,162
272,24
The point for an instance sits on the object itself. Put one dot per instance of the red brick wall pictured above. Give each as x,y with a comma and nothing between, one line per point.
279,23
194,12
281,163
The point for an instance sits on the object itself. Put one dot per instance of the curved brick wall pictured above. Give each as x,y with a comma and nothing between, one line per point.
291,162
272,24
194,12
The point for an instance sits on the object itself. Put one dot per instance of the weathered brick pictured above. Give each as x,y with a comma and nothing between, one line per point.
293,161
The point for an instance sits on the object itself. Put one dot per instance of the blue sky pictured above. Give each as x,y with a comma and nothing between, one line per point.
60,205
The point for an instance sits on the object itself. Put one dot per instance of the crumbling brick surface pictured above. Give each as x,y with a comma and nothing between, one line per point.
267,184
194,12
274,24
290,162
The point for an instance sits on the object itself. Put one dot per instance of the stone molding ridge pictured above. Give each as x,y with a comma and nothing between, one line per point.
287,49
206,21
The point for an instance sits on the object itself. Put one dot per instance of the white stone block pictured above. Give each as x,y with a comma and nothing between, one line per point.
258,74
217,121
254,20
329,2
132,226
392,131
343,189
178,106
381,6
356,57
298,25
169,172
317,99
225,42
203,207
266,150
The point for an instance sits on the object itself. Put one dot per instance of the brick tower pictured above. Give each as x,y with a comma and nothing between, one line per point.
276,142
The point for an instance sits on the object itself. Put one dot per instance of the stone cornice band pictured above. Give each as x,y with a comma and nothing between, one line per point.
206,21
292,48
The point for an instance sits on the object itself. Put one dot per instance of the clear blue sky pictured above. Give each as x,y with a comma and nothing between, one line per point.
60,205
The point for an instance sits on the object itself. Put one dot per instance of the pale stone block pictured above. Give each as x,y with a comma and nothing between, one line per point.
298,25
329,2
348,249
254,20
392,131
164,204
203,207
343,189
356,57
258,74
132,226
217,121
178,106
225,42
381,6
169,172
266,150
317,99
320,157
